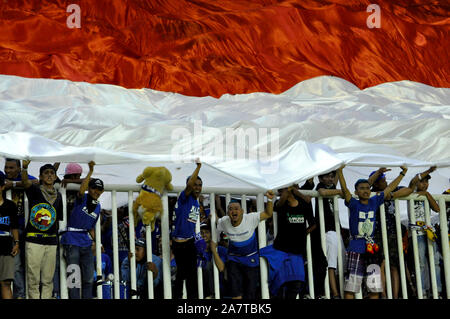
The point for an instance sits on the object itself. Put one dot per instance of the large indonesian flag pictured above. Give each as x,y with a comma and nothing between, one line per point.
332,82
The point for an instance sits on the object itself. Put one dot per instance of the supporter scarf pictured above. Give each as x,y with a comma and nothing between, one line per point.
49,195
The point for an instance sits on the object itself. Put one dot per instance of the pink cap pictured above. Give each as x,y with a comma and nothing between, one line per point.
73,168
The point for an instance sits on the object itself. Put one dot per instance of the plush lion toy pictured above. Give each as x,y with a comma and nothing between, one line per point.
148,204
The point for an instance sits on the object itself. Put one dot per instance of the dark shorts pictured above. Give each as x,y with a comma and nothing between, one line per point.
242,280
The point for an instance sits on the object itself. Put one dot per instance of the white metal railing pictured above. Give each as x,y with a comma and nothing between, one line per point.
243,193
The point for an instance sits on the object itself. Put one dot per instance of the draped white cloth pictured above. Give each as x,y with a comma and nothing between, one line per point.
258,140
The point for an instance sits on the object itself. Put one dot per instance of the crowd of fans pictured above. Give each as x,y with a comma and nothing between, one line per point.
29,249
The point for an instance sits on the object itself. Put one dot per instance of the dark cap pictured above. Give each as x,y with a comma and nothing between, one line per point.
379,177
96,183
140,242
361,181
45,167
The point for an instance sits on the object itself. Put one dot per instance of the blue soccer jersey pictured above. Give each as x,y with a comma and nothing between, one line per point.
362,221
187,212
81,220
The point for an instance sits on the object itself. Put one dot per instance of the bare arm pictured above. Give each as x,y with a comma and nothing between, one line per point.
329,192
433,204
193,178
296,192
377,174
393,185
268,212
26,183
217,260
15,250
85,184
402,192
415,180
347,195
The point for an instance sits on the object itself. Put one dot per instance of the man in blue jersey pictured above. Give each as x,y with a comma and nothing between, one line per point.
362,223
187,212
78,237
243,257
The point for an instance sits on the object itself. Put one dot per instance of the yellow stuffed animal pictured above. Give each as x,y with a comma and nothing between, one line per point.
148,204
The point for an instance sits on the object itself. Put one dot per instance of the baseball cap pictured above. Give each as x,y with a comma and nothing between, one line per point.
96,183
140,242
379,177
73,168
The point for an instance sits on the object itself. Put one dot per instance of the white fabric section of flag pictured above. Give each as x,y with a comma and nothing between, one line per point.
312,128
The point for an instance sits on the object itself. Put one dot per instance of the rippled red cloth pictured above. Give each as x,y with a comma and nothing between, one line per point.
213,47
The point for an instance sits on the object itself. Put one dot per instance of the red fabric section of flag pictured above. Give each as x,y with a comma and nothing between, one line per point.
209,48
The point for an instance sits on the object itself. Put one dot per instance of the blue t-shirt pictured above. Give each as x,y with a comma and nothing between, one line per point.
107,267
362,221
187,212
81,218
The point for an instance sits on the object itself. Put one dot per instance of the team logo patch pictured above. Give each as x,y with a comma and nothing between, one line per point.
42,216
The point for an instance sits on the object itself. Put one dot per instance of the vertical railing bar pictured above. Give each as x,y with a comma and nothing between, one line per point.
98,254
262,243
131,235
401,258
165,242
430,252
387,266
323,242
445,244
339,245
214,237
199,268
149,252
412,219
62,261
115,245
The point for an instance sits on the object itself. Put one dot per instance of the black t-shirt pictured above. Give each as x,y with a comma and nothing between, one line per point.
42,226
8,221
291,236
328,210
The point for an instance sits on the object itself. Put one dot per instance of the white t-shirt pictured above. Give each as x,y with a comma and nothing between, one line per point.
241,233
243,244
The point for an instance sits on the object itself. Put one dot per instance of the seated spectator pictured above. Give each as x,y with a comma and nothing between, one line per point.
142,266
107,269
216,254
